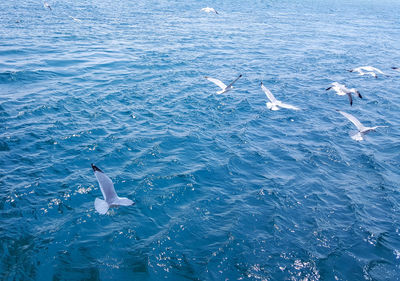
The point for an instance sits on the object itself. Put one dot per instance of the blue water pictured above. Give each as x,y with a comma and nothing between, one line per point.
225,189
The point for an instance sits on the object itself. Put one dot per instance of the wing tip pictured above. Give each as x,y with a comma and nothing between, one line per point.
95,169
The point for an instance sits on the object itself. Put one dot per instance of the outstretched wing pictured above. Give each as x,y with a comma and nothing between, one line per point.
353,120
350,98
288,106
375,69
106,185
216,82
230,85
270,96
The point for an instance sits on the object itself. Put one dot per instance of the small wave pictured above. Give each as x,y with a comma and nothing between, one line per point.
25,76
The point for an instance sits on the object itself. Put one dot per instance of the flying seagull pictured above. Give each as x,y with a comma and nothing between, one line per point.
367,70
46,5
222,85
362,130
209,10
75,19
342,90
111,198
274,104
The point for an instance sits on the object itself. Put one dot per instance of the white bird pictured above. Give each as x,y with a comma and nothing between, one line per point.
75,19
222,85
111,198
367,70
46,5
362,130
275,104
209,10
342,90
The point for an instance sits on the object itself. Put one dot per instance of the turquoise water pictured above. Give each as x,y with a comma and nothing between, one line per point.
225,189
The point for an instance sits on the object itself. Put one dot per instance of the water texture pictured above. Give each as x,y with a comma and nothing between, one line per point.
225,189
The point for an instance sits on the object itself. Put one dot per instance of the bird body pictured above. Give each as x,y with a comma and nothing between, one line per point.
342,90
224,88
209,10
111,198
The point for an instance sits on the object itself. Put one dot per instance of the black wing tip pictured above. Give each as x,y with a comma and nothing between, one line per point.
261,83
393,67
240,75
327,89
95,169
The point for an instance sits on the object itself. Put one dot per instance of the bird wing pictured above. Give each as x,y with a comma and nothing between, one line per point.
288,106
270,96
106,185
353,120
230,85
350,98
371,68
216,82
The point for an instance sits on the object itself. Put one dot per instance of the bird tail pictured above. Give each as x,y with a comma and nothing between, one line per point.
358,136
101,206
122,201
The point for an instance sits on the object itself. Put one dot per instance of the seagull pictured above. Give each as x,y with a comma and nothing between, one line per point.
46,5
367,70
342,90
361,129
111,198
75,19
209,10
275,104
222,85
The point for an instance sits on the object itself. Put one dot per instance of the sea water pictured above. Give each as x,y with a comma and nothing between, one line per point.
225,189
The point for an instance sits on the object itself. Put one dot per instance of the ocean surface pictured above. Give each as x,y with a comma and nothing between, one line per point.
224,189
